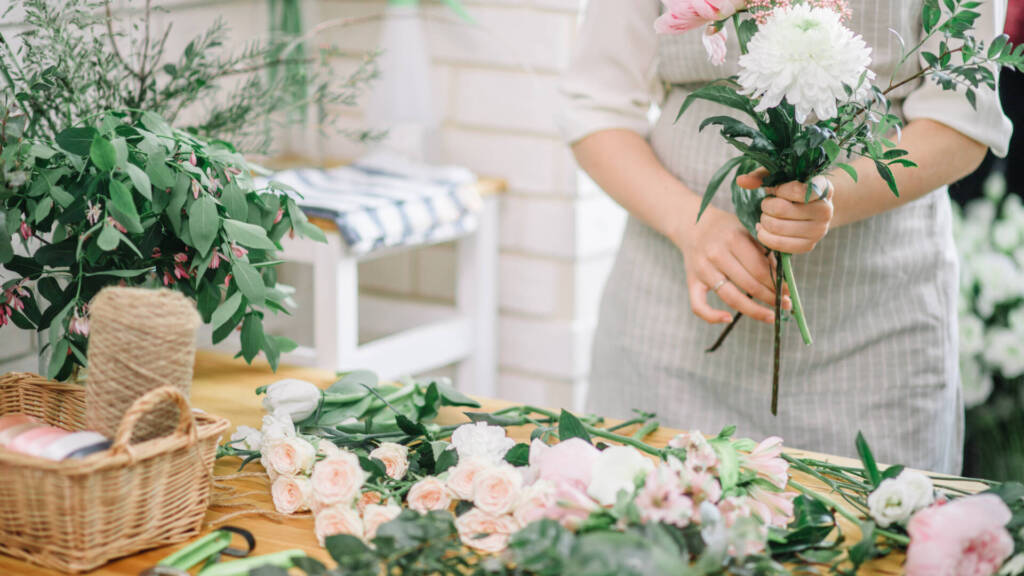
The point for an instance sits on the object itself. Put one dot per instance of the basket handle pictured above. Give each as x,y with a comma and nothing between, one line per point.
143,405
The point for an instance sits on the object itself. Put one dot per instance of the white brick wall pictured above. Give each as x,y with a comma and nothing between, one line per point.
496,86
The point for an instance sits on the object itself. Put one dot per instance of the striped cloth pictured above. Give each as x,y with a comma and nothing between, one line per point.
386,202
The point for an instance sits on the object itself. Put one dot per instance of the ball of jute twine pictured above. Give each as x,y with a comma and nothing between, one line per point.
140,339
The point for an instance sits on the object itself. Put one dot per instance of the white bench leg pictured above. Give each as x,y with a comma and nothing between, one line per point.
336,304
476,297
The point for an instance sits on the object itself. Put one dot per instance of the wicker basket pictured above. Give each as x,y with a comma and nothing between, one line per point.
76,515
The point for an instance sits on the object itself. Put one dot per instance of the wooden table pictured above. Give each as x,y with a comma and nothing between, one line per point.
225,387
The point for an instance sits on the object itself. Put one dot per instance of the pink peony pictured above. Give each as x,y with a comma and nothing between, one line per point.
684,15
570,505
571,462
485,532
966,537
765,460
429,494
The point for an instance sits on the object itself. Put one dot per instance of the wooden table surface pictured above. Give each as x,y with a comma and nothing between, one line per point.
225,387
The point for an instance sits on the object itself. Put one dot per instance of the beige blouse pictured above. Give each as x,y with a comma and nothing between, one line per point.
616,73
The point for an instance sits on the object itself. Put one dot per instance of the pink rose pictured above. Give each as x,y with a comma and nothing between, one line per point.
369,497
291,494
377,515
429,494
571,461
395,458
684,15
485,532
337,479
463,475
765,460
337,520
291,456
496,489
716,44
534,501
966,537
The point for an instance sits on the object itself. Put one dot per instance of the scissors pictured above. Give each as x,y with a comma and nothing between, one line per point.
208,550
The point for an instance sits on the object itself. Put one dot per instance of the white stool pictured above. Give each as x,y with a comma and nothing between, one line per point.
433,335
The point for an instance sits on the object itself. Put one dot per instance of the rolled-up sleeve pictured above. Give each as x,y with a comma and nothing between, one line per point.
987,123
610,81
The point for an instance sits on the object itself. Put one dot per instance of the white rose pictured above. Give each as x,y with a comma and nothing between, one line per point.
277,426
976,381
291,494
395,458
972,334
534,501
496,489
1005,350
290,457
248,438
481,441
919,488
297,398
1006,236
616,469
485,532
892,502
461,477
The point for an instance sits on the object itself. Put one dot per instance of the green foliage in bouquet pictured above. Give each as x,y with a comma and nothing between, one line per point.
98,188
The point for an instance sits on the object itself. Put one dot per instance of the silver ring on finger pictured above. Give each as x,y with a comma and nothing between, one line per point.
718,286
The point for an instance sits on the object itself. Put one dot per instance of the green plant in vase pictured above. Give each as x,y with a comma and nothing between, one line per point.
97,188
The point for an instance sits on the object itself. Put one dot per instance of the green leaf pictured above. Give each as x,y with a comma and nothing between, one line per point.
250,282
848,169
519,455
155,124
886,173
452,397
123,207
58,356
77,141
868,460
203,223
42,209
226,310
252,336
233,199
109,238
160,174
61,196
121,150
102,153
248,235
728,463
719,93
570,426
748,206
716,183
140,181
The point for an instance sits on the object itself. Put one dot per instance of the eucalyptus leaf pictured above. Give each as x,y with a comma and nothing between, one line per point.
250,282
248,235
140,181
77,141
203,224
123,207
102,153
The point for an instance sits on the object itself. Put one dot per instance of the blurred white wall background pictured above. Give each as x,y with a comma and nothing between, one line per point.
496,86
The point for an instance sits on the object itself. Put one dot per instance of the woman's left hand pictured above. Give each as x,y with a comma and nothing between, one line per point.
788,223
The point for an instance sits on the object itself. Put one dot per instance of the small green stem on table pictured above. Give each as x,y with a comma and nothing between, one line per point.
845,513
594,431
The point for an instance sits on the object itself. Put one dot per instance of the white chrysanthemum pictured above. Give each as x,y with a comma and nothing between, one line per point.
805,55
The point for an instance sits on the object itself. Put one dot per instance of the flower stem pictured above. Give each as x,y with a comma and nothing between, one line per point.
798,308
599,432
777,368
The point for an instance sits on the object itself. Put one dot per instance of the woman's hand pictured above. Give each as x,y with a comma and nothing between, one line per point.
720,256
789,224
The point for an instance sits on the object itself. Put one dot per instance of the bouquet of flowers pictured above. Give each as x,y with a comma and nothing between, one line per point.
990,238
806,86
393,492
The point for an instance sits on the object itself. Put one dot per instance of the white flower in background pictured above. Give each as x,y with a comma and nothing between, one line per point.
896,499
972,335
975,380
395,458
297,398
1013,567
290,456
1006,235
248,438
277,426
617,469
1005,350
534,501
806,56
481,441
998,278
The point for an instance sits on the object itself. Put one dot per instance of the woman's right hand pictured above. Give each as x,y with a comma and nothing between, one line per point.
720,256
